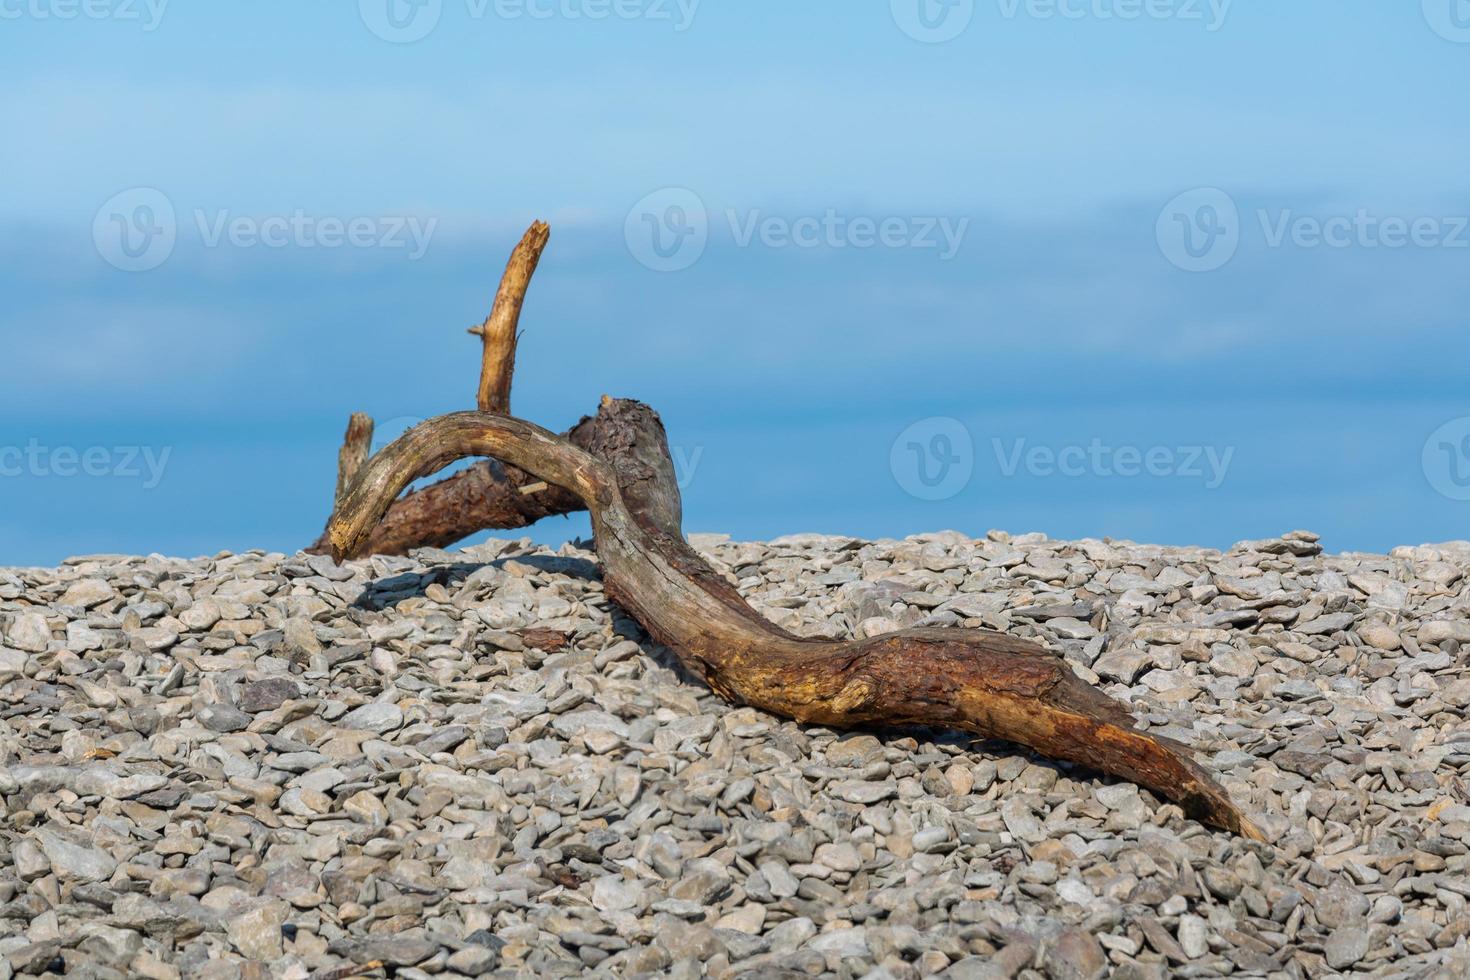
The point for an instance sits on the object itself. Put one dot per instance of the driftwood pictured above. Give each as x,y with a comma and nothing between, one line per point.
617,465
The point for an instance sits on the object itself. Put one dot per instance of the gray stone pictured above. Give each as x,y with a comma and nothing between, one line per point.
1194,936
1021,822
839,857
616,894
1440,630
223,718
267,695
862,792
78,861
1346,947
98,781
257,933
1075,955
1123,665
842,943
375,716
29,632
13,663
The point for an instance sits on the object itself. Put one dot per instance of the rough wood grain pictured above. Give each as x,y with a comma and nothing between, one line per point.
498,360
983,682
357,445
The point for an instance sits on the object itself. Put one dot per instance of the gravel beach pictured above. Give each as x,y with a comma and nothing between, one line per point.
467,763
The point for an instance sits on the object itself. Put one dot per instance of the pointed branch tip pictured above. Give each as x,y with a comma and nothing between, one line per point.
498,357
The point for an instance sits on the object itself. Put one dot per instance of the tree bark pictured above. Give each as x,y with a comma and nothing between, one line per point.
975,680
486,495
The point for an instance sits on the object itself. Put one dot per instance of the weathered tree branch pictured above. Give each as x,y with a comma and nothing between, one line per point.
357,445
978,681
498,361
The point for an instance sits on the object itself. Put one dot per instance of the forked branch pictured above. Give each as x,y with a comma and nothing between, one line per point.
485,495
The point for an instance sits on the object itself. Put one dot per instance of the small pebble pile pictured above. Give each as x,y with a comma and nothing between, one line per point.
265,765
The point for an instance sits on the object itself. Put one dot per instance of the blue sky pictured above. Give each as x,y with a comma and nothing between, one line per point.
1231,232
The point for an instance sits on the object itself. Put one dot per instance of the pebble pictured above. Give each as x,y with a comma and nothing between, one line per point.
267,695
375,717
29,632
1440,630
73,860
1076,955
748,918
1194,936
1345,948
256,934
839,857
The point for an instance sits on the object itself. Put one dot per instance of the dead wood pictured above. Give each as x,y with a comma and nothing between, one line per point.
979,681
616,464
